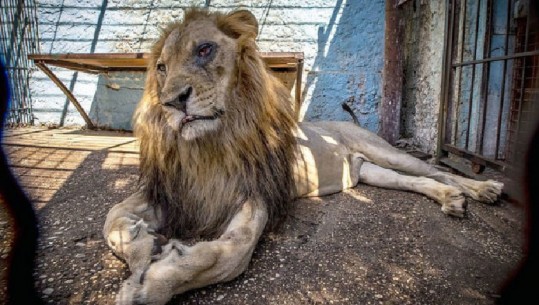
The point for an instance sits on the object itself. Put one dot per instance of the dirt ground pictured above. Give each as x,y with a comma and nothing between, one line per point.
363,246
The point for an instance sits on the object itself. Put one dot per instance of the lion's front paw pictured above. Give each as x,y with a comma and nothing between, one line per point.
158,283
454,203
136,290
489,191
125,231
129,291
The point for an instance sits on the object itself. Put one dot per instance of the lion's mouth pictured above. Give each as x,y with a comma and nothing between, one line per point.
194,117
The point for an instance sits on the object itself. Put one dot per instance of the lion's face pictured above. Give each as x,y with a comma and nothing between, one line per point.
193,73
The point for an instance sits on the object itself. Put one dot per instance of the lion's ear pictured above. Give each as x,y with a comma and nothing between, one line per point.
239,23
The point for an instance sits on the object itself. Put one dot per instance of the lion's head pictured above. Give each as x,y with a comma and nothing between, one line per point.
215,127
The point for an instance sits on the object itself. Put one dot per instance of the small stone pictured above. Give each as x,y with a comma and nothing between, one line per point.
48,291
378,296
219,298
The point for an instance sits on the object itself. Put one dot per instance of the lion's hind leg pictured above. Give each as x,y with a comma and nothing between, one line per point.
451,198
378,151
484,191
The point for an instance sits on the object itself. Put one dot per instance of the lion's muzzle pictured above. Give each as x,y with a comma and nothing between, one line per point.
179,101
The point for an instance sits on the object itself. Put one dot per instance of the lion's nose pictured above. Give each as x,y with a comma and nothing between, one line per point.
180,102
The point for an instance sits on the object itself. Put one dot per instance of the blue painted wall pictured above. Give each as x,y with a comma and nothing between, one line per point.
116,97
348,65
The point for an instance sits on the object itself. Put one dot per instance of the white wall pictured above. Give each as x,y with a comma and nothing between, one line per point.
342,41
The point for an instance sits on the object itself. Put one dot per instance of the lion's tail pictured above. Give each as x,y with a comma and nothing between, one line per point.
351,112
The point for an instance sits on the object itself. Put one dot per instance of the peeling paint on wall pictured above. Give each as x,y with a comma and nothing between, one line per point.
424,40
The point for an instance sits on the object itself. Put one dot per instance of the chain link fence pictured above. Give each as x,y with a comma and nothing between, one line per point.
18,38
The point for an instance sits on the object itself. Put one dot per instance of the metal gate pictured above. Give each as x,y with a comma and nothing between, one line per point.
489,88
18,38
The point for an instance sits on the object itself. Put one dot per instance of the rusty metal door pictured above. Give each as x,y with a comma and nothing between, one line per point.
489,88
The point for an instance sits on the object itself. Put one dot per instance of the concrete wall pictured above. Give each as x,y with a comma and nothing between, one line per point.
423,52
115,99
342,41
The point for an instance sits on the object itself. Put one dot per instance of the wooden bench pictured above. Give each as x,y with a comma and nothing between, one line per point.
287,66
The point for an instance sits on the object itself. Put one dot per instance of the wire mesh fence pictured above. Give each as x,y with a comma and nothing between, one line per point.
18,38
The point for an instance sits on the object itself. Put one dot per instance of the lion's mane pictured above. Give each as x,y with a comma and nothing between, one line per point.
201,184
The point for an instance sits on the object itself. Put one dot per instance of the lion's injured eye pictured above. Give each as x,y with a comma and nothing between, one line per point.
204,52
161,67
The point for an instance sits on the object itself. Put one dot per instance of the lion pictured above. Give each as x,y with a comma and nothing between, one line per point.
222,156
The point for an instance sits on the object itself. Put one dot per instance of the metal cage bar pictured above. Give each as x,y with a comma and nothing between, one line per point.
484,105
523,75
502,97
470,99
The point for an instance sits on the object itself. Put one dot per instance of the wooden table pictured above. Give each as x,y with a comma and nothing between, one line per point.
287,66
